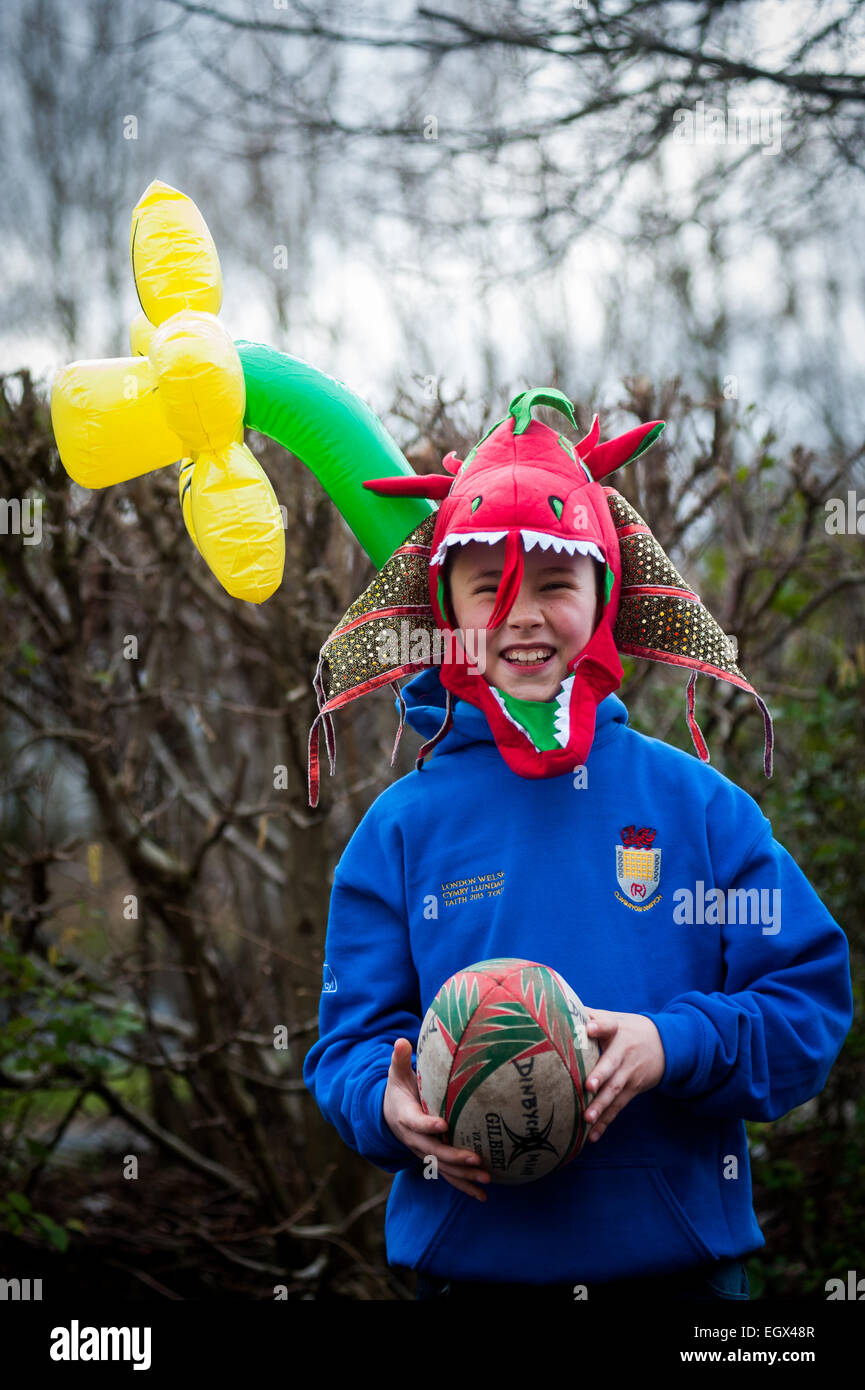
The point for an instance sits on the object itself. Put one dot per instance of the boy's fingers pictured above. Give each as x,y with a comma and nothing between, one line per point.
444,1153
425,1124
465,1172
614,1105
401,1056
599,1027
471,1189
417,1122
602,1097
448,1167
608,1103
412,1113
401,1066
608,1064
612,1065
603,1124
432,1131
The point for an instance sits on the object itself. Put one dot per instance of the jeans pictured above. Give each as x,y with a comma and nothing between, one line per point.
725,1279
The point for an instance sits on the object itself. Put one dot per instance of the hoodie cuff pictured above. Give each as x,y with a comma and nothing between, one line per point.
376,1140
684,1040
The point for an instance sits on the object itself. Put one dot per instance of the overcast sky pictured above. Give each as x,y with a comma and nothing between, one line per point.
371,300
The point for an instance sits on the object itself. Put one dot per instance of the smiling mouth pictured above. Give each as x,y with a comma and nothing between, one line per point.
529,657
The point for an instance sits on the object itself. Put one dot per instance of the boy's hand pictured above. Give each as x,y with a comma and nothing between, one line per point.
413,1127
632,1060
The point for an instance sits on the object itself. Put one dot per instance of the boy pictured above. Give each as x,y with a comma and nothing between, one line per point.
622,863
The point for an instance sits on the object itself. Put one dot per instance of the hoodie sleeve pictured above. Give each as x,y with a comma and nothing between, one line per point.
767,1042
371,994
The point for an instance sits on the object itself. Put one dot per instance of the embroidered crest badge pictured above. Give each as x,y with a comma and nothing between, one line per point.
638,866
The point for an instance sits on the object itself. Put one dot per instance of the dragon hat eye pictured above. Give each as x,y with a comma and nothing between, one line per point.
476,502
557,505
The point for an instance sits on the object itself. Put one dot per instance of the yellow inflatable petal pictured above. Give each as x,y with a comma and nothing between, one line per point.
184,483
174,260
200,381
141,331
238,523
108,421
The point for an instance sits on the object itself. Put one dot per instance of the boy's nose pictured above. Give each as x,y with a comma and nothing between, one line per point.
525,612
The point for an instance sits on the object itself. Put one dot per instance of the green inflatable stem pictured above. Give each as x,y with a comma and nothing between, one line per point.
339,439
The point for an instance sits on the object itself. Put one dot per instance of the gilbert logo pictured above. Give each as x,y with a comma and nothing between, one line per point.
74,1343
854,1288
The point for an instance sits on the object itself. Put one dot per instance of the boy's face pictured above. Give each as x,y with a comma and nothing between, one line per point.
555,613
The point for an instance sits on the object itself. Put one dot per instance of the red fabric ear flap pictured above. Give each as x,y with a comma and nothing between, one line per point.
452,463
605,458
512,578
420,485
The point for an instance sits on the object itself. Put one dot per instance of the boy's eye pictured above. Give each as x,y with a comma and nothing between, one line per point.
553,584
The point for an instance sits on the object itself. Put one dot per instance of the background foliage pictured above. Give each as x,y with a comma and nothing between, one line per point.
469,201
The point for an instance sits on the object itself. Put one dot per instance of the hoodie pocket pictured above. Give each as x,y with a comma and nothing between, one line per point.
419,1215
590,1222
652,1232
679,1214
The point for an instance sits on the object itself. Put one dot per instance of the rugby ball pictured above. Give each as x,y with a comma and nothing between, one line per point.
503,1055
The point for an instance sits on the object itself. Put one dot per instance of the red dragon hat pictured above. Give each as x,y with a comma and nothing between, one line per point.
528,485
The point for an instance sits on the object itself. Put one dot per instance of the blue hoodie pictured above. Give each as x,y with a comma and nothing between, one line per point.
463,861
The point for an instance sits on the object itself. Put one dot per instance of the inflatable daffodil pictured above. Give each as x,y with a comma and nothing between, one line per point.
185,395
